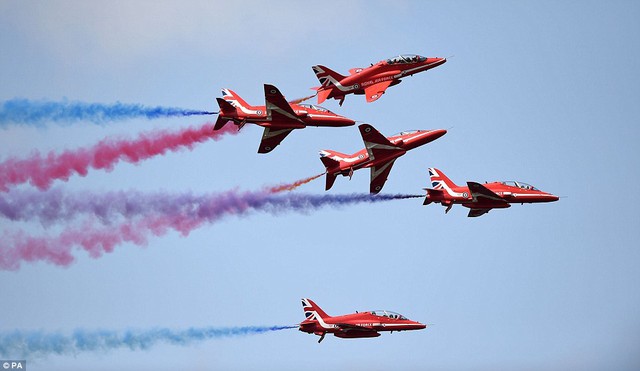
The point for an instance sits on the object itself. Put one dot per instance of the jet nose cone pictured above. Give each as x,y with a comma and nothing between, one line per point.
436,61
435,134
420,326
552,198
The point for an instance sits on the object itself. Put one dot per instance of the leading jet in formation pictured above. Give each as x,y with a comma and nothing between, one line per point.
277,116
481,198
367,324
379,154
371,81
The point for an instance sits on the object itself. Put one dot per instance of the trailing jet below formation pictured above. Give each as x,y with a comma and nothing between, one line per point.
371,81
379,154
357,325
278,117
481,198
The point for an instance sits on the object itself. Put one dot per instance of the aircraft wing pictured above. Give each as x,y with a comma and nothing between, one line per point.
347,327
375,91
277,107
477,212
378,145
379,174
480,193
271,138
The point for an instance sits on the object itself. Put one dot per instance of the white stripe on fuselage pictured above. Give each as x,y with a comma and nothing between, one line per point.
338,85
411,70
343,88
446,187
242,108
328,326
322,323
315,115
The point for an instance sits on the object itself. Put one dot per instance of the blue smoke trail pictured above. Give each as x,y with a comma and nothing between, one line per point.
24,111
57,205
30,344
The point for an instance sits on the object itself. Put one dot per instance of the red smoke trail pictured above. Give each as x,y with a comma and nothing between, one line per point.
93,239
294,185
41,170
96,240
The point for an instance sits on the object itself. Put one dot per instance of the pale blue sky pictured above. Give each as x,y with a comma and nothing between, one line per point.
544,92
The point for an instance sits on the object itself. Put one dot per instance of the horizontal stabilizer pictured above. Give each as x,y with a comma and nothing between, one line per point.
329,162
433,193
331,178
220,123
225,106
323,95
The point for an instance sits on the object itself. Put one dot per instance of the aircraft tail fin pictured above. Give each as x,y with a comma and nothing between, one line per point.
327,77
439,181
235,100
312,311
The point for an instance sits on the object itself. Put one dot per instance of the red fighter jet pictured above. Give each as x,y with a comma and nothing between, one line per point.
481,198
371,81
278,117
357,325
379,154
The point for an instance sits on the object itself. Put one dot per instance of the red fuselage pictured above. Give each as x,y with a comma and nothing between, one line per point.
406,142
305,115
509,193
385,71
382,74
357,325
372,321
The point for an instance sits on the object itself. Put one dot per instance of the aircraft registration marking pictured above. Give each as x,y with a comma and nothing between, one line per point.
378,80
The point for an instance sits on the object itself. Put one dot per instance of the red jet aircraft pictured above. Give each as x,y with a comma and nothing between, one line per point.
278,117
481,198
356,325
371,81
379,154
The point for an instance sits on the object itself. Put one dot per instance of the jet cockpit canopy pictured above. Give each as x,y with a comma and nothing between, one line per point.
313,106
406,132
521,185
388,314
406,58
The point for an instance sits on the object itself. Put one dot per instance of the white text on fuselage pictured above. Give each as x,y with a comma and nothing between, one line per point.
367,324
375,81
